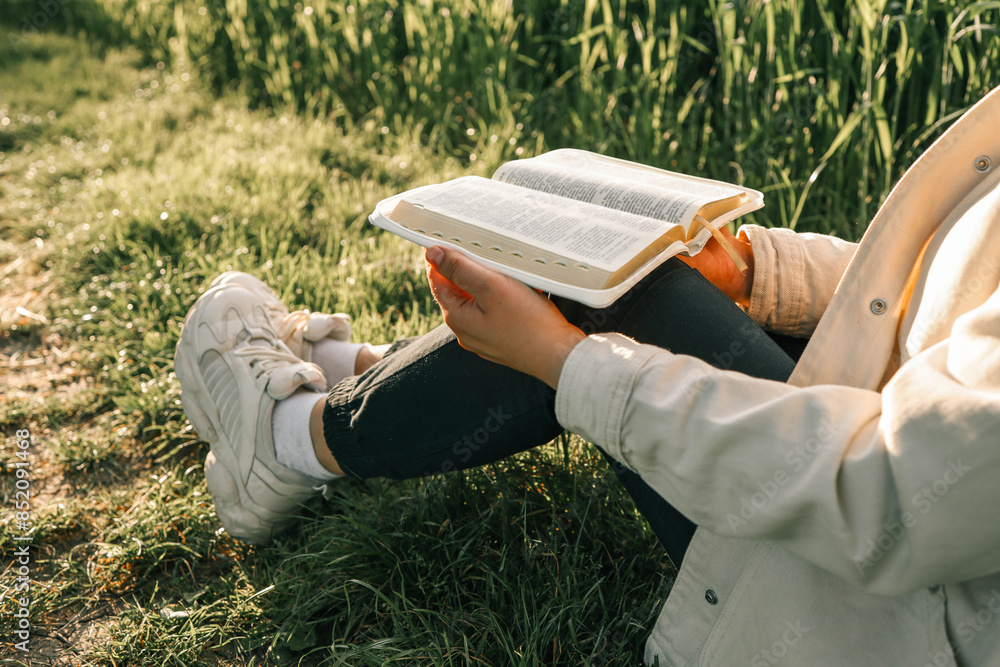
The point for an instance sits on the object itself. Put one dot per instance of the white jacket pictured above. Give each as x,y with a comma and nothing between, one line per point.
852,515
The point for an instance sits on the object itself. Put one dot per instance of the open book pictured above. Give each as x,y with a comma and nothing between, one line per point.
569,222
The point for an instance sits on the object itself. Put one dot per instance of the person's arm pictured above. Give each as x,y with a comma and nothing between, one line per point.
891,491
795,276
791,276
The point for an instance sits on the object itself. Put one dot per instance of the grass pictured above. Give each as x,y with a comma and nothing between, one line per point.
109,194
819,104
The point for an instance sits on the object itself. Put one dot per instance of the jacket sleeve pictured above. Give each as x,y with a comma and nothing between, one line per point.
892,492
795,276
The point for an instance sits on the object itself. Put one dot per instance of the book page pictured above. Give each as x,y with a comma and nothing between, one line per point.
639,190
595,235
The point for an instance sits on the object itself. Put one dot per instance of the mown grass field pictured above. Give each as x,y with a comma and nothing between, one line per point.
132,175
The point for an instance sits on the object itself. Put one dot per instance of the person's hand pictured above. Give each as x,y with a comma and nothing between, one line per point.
718,267
499,318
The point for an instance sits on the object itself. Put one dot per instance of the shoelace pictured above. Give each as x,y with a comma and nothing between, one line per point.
325,490
297,320
264,358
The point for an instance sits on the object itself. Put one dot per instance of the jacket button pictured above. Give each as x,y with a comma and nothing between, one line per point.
711,597
982,164
878,306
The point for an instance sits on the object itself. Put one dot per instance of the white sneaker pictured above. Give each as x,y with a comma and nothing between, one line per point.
299,329
233,367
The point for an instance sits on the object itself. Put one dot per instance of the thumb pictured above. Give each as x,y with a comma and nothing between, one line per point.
450,297
474,279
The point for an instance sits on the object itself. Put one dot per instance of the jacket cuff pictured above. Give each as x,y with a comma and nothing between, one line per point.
764,291
595,385
777,298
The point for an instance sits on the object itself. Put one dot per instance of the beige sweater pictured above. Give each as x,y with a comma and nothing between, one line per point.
851,516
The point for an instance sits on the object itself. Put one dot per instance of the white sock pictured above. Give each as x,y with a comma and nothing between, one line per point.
336,358
293,444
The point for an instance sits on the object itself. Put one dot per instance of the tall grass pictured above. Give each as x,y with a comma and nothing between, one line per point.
822,104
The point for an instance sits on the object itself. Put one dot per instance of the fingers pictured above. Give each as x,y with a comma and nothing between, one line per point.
474,279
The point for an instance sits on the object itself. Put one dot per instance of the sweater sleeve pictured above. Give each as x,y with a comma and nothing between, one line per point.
795,277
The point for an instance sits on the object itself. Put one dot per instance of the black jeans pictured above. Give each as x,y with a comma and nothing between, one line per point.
432,407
